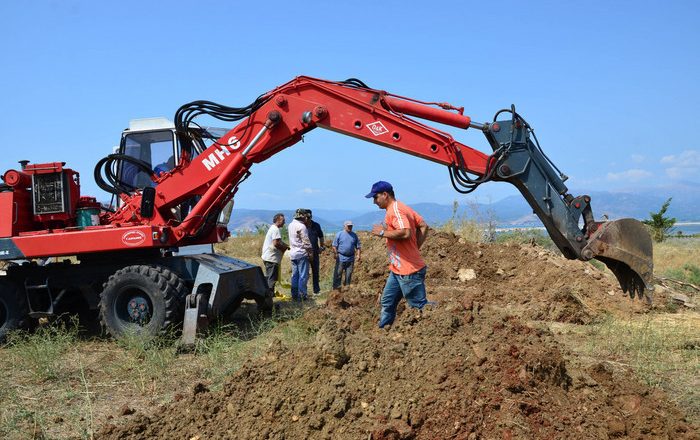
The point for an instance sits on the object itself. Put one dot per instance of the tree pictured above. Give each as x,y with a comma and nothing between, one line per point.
659,223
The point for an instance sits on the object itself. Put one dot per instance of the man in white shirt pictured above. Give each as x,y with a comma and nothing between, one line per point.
300,251
272,251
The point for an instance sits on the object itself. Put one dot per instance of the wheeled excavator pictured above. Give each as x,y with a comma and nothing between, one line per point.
176,183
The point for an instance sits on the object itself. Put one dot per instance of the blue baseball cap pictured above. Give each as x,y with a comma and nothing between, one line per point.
378,187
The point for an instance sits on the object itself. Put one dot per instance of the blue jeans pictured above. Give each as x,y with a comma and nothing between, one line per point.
341,266
300,277
411,287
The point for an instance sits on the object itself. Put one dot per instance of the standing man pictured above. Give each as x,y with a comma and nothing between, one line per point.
316,238
299,252
345,244
272,250
405,233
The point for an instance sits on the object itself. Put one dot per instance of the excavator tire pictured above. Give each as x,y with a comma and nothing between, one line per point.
13,308
146,300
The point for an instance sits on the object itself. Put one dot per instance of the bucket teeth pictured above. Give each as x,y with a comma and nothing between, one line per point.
625,247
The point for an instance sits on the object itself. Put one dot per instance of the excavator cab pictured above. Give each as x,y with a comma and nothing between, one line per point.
152,141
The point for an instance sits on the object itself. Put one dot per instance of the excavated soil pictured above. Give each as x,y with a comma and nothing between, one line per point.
476,365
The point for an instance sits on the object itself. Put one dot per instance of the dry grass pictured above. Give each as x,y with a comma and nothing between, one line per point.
57,385
477,227
663,350
674,253
248,247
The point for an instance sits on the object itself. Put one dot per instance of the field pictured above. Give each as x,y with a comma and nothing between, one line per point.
522,344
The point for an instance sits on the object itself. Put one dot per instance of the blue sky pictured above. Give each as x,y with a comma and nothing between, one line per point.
611,88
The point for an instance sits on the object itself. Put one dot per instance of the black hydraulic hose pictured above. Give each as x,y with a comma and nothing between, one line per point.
188,112
113,184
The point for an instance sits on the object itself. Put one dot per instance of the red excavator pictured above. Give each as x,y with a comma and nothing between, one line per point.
173,182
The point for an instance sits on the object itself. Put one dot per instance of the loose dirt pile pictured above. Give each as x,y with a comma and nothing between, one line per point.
474,366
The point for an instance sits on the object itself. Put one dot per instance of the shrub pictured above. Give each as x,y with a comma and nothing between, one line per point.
479,227
659,224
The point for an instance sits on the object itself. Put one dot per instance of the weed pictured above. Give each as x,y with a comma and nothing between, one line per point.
147,360
478,227
655,347
41,352
674,253
221,352
689,273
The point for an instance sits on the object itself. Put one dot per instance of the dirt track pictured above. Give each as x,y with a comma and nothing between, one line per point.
475,366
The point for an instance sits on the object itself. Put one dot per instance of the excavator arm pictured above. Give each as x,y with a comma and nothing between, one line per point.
281,117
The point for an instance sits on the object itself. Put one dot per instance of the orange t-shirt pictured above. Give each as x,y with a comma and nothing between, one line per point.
404,256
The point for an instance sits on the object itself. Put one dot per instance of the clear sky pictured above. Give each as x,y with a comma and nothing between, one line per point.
611,88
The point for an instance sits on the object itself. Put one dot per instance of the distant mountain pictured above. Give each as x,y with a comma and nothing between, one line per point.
511,211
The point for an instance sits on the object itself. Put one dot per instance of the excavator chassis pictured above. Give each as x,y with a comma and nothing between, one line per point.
133,293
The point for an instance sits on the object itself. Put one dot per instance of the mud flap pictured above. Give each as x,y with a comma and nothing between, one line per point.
625,247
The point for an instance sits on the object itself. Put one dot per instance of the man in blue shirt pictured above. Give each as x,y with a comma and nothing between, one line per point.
345,244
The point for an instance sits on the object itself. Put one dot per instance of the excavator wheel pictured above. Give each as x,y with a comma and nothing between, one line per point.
13,308
146,300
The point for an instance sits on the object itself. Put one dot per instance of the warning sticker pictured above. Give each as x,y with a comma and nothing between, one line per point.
377,128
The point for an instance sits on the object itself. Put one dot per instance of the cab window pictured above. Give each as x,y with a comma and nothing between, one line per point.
155,148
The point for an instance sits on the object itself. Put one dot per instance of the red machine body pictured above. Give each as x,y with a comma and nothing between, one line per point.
288,112
40,196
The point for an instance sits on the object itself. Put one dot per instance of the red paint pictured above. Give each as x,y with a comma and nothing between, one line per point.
371,115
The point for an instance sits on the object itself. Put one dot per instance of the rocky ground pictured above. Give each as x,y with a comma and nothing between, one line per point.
482,363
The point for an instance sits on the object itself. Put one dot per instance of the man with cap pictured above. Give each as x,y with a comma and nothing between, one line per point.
299,253
405,232
316,238
345,244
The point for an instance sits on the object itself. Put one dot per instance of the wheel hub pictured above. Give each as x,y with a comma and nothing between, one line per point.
138,309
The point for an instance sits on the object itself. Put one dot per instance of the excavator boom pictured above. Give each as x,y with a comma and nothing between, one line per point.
183,206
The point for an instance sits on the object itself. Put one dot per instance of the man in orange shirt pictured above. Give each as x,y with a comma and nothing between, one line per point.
405,232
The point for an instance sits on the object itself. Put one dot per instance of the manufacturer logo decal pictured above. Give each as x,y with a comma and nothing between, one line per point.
133,238
221,152
377,128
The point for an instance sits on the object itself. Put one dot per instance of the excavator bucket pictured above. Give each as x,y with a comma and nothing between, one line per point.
625,247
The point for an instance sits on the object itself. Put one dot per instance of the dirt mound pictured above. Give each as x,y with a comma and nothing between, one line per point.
470,367
528,280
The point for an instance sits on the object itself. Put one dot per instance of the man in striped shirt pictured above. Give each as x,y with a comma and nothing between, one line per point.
405,232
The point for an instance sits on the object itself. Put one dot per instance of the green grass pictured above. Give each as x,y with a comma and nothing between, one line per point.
40,353
146,361
688,273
